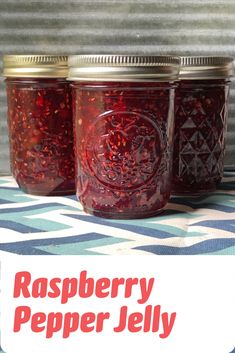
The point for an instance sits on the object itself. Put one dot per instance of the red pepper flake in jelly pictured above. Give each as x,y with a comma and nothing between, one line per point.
123,143
200,124
41,134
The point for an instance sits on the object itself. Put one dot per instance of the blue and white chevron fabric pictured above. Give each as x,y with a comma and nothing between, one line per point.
33,225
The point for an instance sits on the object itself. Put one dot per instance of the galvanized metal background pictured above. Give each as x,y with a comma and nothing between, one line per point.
157,27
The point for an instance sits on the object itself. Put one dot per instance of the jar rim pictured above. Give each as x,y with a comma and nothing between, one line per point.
205,67
123,67
41,65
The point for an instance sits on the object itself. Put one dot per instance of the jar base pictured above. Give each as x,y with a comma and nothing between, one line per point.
51,193
123,215
187,193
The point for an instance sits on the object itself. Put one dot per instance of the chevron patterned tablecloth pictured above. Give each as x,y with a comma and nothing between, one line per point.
33,225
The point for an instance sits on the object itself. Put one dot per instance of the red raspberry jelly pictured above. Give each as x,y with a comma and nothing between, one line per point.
40,124
200,124
123,134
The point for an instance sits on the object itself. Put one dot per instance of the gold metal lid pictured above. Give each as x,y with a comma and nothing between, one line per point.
44,66
205,67
123,68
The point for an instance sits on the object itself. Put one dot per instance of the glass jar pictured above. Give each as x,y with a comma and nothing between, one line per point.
200,124
123,108
40,123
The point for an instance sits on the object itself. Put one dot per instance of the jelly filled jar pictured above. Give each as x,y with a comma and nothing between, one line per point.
123,110
200,124
40,123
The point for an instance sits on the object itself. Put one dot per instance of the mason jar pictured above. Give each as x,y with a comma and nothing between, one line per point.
123,111
40,123
200,124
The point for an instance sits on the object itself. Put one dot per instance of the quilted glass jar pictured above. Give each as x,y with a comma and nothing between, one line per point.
40,123
200,124
123,108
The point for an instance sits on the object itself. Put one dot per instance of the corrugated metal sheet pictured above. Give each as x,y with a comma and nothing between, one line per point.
161,26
